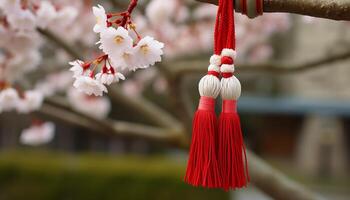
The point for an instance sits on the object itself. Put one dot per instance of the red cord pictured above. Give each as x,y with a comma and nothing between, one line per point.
224,35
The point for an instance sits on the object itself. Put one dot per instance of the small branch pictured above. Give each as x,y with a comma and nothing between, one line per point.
141,105
112,127
330,9
275,183
200,66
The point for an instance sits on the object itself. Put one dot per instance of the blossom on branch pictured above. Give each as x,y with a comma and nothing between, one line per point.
122,51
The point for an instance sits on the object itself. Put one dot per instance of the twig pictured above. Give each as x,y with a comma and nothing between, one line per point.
200,66
275,183
330,9
113,127
157,115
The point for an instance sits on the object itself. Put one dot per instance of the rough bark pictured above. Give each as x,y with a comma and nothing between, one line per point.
330,9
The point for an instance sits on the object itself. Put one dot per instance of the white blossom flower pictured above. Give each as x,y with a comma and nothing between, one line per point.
98,107
65,17
38,134
126,60
101,19
77,68
22,20
107,78
160,11
45,14
8,99
89,86
9,6
115,41
148,51
32,101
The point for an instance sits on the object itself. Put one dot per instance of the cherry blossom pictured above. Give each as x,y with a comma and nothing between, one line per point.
89,86
123,48
8,99
32,100
148,51
101,19
98,107
77,68
109,78
45,14
38,134
115,42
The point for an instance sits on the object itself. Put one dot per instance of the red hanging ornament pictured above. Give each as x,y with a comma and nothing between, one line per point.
217,155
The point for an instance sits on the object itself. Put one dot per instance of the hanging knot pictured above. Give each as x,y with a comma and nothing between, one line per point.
227,75
226,60
214,73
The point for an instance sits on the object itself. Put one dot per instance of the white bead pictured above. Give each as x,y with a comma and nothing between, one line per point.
230,88
227,68
215,60
209,86
229,53
214,68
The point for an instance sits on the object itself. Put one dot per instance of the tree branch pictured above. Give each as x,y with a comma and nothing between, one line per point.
112,127
330,9
200,66
275,183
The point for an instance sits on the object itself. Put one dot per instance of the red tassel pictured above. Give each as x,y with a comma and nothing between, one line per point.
231,153
202,168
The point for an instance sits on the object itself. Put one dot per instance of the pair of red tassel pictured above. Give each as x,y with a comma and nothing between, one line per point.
217,154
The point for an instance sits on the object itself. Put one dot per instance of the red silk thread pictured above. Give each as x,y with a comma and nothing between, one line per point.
229,106
214,73
206,104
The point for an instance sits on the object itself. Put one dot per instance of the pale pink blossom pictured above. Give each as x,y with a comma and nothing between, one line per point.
8,99
115,42
38,134
148,51
89,86
101,19
98,107
31,101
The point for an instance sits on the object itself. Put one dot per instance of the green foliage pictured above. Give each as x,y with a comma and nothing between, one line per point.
56,176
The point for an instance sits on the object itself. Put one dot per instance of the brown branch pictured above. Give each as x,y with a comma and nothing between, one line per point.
275,183
179,68
330,9
112,127
146,108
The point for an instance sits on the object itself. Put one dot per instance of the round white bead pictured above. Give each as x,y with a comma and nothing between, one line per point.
227,68
229,52
215,60
230,88
209,86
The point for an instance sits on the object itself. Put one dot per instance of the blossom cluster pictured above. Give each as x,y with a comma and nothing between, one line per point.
21,42
25,102
121,51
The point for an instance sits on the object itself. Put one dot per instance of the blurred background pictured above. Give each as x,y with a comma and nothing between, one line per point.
132,143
